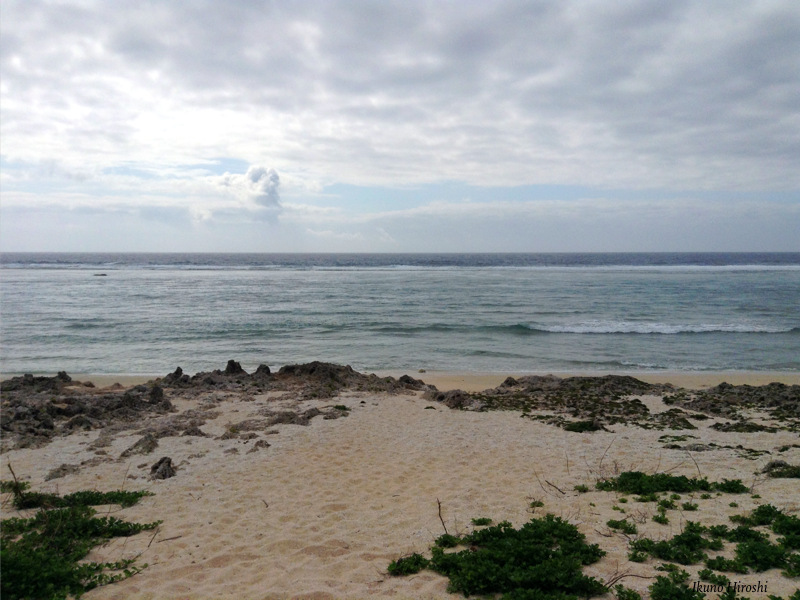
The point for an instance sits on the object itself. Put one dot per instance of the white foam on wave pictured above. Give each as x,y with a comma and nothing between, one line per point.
599,327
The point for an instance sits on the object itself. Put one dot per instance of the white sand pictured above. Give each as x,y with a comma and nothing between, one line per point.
322,512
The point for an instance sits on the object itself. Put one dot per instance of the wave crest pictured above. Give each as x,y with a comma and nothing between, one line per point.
607,327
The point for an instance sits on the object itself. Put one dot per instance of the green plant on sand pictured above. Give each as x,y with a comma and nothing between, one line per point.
41,555
542,559
636,482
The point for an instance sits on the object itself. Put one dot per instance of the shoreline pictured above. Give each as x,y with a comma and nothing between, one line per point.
476,381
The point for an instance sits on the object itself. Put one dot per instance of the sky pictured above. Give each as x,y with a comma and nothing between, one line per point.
399,126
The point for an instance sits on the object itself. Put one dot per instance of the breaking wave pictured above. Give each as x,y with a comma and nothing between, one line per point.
602,327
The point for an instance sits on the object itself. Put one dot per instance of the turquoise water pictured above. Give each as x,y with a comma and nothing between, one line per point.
533,312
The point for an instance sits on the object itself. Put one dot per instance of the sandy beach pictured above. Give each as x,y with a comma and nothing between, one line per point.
318,510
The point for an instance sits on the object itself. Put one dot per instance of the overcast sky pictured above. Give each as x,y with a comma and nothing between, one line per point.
383,126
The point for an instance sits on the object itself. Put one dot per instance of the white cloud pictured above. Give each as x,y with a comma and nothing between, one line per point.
497,93
258,186
128,104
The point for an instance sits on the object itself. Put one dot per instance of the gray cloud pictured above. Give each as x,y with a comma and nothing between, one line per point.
264,184
675,97
614,94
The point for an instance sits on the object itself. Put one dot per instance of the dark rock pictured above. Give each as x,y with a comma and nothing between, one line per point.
250,425
318,371
335,413
61,471
176,377
262,370
156,394
45,420
258,446
305,417
774,465
288,417
454,399
195,431
163,469
78,422
234,368
697,447
412,384
145,445
36,384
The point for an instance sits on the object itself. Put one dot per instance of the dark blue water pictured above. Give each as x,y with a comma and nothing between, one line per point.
147,313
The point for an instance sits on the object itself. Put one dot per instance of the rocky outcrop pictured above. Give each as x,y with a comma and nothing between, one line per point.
144,445
36,384
311,380
779,400
234,368
455,399
36,409
163,469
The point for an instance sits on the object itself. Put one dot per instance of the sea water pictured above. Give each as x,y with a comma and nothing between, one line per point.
149,313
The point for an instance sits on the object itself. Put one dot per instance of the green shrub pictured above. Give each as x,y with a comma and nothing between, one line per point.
623,526
666,504
482,521
582,426
723,564
763,515
13,487
673,587
661,519
40,555
542,559
730,486
636,482
408,565
24,500
686,548
637,556
761,555
713,578
623,593
447,541
787,526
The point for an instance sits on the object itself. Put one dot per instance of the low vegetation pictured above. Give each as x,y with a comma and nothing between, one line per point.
542,559
636,482
754,550
42,555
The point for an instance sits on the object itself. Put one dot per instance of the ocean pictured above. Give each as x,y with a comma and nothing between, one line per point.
149,313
